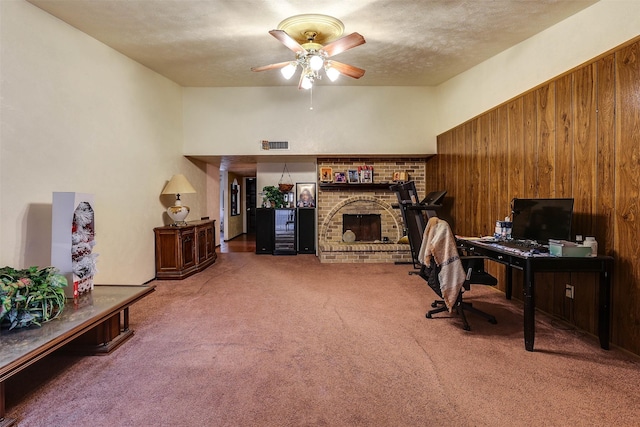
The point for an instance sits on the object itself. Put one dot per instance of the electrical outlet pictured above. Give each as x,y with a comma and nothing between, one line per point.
568,291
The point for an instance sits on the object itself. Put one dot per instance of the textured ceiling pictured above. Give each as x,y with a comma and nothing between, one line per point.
215,43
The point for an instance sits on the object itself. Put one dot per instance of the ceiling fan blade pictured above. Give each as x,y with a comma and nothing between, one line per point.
288,41
347,70
345,43
271,66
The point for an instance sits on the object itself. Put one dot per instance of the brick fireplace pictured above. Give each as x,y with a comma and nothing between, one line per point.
359,201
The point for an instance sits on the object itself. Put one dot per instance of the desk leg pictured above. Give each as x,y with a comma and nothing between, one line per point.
604,314
529,309
508,290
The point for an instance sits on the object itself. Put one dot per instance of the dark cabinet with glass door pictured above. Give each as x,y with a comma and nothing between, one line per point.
285,232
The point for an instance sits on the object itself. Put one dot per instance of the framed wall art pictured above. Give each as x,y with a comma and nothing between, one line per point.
400,176
340,177
306,194
326,174
353,177
366,174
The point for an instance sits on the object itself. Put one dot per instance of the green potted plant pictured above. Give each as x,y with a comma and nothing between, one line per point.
31,296
273,194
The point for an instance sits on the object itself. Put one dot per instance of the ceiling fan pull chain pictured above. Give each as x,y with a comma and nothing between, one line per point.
311,98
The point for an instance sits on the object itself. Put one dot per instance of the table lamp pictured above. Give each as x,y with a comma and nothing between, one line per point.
177,185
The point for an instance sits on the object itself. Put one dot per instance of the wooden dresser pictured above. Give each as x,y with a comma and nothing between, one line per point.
184,250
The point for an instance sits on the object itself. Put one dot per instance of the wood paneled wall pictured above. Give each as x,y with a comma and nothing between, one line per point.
575,136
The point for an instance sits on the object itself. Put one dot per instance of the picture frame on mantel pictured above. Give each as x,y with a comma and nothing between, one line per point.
400,176
340,177
366,174
352,176
326,174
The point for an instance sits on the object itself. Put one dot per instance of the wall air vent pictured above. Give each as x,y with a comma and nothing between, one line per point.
275,145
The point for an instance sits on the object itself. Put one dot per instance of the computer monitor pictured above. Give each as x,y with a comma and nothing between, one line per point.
541,219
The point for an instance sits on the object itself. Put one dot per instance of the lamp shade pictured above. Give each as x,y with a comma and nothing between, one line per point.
332,73
178,184
289,70
306,83
316,62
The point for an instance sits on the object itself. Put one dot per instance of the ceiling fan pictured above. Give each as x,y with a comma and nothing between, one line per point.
314,39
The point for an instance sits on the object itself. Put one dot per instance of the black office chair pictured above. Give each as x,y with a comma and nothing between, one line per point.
470,272
474,273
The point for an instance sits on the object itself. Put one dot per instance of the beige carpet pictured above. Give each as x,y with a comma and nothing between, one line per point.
258,340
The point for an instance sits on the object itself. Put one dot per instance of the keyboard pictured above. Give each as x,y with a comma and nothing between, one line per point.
525,245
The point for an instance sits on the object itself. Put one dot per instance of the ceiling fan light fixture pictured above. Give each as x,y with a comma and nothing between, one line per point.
289,70
316,62
332,73
307,83
314,39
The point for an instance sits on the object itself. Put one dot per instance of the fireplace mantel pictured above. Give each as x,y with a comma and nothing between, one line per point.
354,187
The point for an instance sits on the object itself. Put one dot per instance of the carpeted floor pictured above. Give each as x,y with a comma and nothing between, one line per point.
287,341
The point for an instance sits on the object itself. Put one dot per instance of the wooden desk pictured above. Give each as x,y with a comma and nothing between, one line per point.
108,304
531,264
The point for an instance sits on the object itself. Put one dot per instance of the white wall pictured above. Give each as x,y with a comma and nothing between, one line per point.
269,173
558,49
78,116
344,120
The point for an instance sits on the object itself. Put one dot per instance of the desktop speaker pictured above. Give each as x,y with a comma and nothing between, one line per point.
306,231
265,223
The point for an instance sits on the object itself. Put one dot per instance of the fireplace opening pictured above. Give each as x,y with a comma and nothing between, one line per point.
366,227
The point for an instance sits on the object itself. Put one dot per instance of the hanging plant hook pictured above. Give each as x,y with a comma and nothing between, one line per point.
284,185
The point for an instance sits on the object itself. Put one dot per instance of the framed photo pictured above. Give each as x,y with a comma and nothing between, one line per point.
306,194
366,174
353,177
340,177
400,176
326,175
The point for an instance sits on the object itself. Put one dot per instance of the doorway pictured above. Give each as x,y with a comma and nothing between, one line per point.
251,204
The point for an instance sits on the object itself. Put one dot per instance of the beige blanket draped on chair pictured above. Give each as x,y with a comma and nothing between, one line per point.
439,245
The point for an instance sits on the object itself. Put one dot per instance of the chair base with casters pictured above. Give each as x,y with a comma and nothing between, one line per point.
474,266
